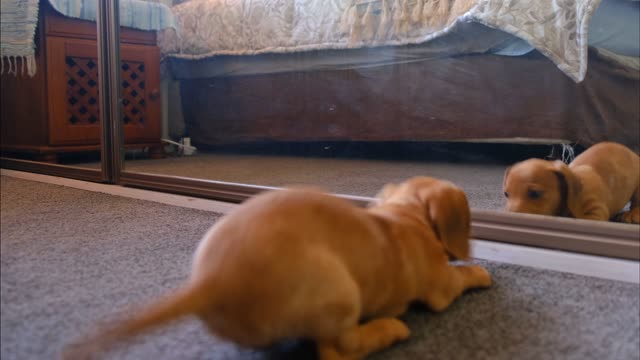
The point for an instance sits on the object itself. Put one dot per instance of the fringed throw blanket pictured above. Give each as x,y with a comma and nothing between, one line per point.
18,21
557,28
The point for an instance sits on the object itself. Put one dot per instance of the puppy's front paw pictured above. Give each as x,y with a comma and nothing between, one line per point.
397,330
481,276
629,217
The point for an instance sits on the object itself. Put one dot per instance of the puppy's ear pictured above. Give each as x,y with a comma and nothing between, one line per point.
384,194
570,188
448,209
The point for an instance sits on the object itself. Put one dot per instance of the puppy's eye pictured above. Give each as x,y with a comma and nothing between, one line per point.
506,194
534,194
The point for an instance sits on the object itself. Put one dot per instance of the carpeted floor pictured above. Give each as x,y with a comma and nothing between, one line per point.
70,258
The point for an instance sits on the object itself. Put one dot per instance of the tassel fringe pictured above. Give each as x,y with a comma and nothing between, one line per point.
18,65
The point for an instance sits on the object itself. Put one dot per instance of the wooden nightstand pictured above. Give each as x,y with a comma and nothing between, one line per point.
57,110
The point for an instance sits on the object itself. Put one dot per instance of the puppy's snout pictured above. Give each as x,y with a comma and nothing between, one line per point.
514,206
523,206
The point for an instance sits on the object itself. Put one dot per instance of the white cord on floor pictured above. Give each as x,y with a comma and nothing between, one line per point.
186,147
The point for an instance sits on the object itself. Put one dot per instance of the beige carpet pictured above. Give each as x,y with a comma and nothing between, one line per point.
70,258
481,181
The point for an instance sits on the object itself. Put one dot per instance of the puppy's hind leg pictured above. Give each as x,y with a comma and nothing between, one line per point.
337,330
362,340
452,281
633,215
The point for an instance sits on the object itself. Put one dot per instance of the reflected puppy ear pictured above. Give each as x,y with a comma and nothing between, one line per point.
448,209
506,175
570,188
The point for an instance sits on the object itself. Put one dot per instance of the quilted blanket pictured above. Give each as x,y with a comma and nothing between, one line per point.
557,28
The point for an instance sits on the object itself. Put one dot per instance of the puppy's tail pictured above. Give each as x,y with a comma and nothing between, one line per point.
186,301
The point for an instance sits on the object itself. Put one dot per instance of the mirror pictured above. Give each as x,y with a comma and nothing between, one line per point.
363,93
50,105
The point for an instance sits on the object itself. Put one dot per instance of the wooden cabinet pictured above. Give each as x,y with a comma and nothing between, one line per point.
57,111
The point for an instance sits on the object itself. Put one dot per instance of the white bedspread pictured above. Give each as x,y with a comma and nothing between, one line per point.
557,28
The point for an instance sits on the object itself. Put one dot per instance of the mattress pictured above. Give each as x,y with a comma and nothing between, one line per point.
615,29
557,29
464,38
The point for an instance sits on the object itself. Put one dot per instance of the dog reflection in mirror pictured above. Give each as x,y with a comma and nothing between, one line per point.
299,263
597,185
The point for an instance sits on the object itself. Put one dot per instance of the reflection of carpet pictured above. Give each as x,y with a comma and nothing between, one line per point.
70,257
482,182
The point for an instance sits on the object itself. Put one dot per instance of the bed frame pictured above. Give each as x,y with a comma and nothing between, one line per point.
476,97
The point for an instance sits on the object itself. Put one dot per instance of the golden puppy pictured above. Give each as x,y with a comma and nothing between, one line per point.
596,185
303,264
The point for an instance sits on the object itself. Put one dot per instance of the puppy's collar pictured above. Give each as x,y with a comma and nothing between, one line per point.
563,206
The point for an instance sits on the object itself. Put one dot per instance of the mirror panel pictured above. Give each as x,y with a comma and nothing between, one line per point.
375,107
50,111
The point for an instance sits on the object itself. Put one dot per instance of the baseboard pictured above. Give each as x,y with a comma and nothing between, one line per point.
580,264
133,193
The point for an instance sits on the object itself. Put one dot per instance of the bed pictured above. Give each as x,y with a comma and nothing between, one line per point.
406,70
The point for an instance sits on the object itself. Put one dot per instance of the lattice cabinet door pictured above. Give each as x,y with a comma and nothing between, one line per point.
74,113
